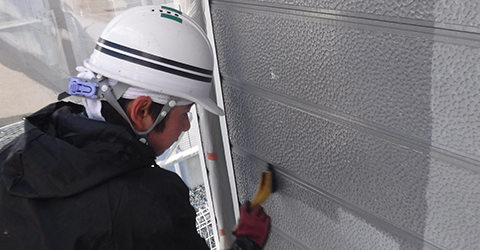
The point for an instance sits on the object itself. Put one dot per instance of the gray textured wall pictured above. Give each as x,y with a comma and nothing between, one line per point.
370,110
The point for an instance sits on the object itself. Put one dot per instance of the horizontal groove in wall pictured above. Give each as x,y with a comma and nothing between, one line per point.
368,216
383,132
402,26
288,237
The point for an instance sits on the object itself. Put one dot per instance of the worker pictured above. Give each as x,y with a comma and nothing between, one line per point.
85,177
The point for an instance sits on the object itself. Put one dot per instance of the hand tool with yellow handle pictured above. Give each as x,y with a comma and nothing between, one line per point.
266,187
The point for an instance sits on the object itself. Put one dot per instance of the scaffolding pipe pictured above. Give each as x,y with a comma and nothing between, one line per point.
225,203
15,24
179,157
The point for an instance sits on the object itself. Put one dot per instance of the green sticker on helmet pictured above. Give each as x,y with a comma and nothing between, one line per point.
171,13
174,18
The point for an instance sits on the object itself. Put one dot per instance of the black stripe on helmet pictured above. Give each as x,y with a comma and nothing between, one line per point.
152,65
154,57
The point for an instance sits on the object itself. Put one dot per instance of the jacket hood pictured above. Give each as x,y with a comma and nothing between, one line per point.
63,153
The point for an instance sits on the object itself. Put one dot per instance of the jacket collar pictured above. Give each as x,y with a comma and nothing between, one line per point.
63,153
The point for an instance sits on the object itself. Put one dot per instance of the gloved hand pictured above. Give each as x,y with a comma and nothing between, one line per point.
254,224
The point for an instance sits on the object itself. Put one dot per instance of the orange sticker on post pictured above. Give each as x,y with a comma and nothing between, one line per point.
212,156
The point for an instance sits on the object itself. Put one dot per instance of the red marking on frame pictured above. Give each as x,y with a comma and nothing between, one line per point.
212,156
222,232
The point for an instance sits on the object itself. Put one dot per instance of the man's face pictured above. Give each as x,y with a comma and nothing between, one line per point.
176,123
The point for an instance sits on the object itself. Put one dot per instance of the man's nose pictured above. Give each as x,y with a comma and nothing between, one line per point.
186,127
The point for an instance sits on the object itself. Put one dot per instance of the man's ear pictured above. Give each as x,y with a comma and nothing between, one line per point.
137,111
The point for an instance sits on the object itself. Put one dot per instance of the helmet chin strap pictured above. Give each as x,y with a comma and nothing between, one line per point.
106,92
99,89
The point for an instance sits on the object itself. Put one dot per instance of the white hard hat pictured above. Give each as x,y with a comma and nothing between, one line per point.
160,49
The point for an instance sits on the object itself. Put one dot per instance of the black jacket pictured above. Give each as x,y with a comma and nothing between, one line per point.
70,182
